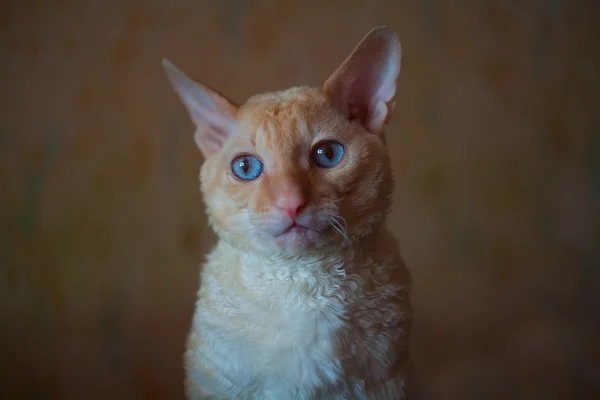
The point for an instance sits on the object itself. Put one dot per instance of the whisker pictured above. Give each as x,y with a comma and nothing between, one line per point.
343,221
339,228
340,218
345,225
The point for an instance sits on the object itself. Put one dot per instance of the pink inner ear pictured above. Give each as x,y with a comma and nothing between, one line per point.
364,86
213,114
210,138
359,96
359,101
215,123
358,113
215,137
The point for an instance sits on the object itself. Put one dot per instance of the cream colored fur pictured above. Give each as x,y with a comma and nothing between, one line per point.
319,313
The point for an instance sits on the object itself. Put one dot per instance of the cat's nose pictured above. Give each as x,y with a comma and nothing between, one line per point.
291,204
289,198
293,211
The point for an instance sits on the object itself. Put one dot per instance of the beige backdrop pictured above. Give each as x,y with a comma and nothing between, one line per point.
497,166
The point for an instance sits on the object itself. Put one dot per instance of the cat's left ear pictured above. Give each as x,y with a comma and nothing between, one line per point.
364,87
212,113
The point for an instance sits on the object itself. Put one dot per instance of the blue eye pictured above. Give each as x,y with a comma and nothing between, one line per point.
327,154
246,167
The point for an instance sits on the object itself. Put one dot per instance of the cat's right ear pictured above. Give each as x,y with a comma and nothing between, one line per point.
213,114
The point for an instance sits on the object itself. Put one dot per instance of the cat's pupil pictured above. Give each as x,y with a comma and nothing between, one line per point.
244,165
327,151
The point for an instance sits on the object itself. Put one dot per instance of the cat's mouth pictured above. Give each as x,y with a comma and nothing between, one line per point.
296,228
298,236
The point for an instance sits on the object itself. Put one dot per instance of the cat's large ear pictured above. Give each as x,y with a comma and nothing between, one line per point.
213,114
364,87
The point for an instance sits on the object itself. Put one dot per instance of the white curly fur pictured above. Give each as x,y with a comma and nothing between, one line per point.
331,328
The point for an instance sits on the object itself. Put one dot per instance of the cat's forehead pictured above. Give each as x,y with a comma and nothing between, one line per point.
300,96
285,118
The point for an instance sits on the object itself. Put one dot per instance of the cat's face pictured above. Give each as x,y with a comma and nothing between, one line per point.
296,176
301,170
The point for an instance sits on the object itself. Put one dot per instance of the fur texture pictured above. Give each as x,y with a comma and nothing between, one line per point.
305,296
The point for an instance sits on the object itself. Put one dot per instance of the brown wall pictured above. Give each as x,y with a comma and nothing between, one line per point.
497,166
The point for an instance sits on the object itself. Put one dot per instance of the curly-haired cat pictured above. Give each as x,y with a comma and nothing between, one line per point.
305,295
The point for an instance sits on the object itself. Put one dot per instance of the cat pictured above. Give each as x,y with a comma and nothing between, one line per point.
305,295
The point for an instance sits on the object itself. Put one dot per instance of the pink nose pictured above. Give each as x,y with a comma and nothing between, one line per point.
288,197
291,205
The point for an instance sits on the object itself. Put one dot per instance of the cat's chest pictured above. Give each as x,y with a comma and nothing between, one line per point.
298,346
286,330
289,314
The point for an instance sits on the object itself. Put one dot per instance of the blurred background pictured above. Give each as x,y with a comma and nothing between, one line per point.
496,150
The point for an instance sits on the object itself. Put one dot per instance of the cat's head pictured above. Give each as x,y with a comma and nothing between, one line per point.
301,170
